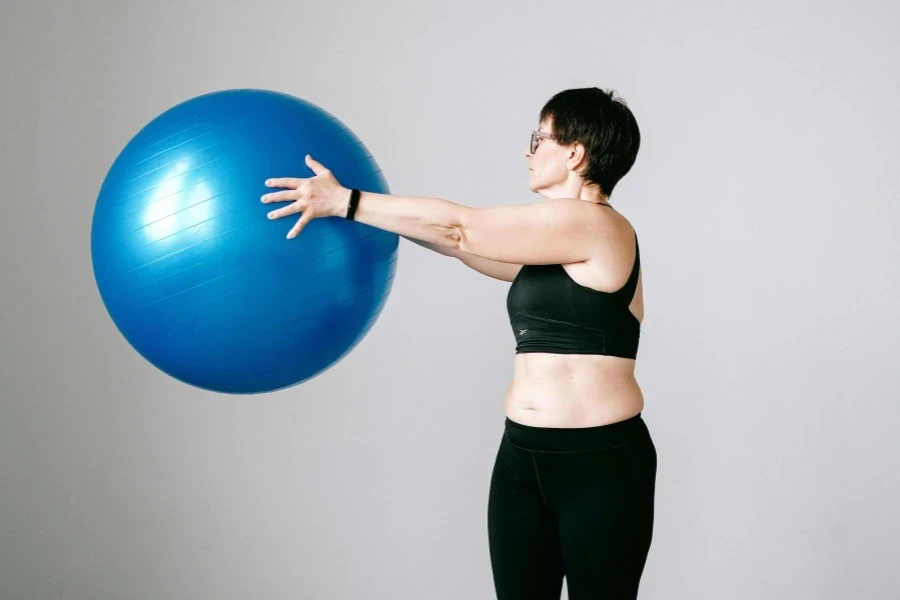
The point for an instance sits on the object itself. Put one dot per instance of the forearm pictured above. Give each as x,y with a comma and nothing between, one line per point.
491,268
430,220
445,250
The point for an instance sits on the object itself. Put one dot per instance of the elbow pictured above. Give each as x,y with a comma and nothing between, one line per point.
459,231
452,232
448,237
457,237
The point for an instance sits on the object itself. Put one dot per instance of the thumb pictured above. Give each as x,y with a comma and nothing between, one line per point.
316,166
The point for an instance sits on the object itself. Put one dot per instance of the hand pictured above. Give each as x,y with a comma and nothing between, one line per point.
319,196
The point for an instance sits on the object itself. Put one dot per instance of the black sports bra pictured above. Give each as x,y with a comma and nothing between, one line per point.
550,312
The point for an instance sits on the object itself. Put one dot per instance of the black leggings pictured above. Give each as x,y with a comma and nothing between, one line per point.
574,503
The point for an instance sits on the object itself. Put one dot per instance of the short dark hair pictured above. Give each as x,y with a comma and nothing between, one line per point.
603,124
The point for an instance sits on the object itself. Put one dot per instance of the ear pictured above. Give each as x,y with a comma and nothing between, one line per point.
577,157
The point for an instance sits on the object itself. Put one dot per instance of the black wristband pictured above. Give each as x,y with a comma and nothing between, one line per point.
354,202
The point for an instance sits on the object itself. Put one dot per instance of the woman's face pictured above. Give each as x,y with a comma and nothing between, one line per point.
546,166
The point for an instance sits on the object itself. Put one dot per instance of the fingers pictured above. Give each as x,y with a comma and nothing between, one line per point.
295,230
287,210
298,192
281,196
281,182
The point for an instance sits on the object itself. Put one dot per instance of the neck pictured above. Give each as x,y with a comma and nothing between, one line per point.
593,194
575,187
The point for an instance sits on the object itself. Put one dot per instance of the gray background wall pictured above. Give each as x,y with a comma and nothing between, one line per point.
765,197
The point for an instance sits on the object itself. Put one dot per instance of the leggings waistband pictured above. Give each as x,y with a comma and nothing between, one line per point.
576,439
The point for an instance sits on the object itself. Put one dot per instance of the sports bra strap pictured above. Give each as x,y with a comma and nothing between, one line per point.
630,286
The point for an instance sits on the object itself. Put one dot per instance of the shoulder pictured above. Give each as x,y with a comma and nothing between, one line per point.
618,239
613,224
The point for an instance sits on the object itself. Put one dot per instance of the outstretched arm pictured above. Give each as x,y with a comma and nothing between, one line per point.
491,268
562,230
555,231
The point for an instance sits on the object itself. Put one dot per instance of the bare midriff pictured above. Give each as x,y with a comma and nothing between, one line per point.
572,390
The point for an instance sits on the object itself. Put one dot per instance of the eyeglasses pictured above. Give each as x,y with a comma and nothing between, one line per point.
536,139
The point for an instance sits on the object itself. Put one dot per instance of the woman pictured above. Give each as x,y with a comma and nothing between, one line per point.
573,484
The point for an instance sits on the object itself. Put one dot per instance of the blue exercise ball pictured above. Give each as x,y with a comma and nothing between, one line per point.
196,277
